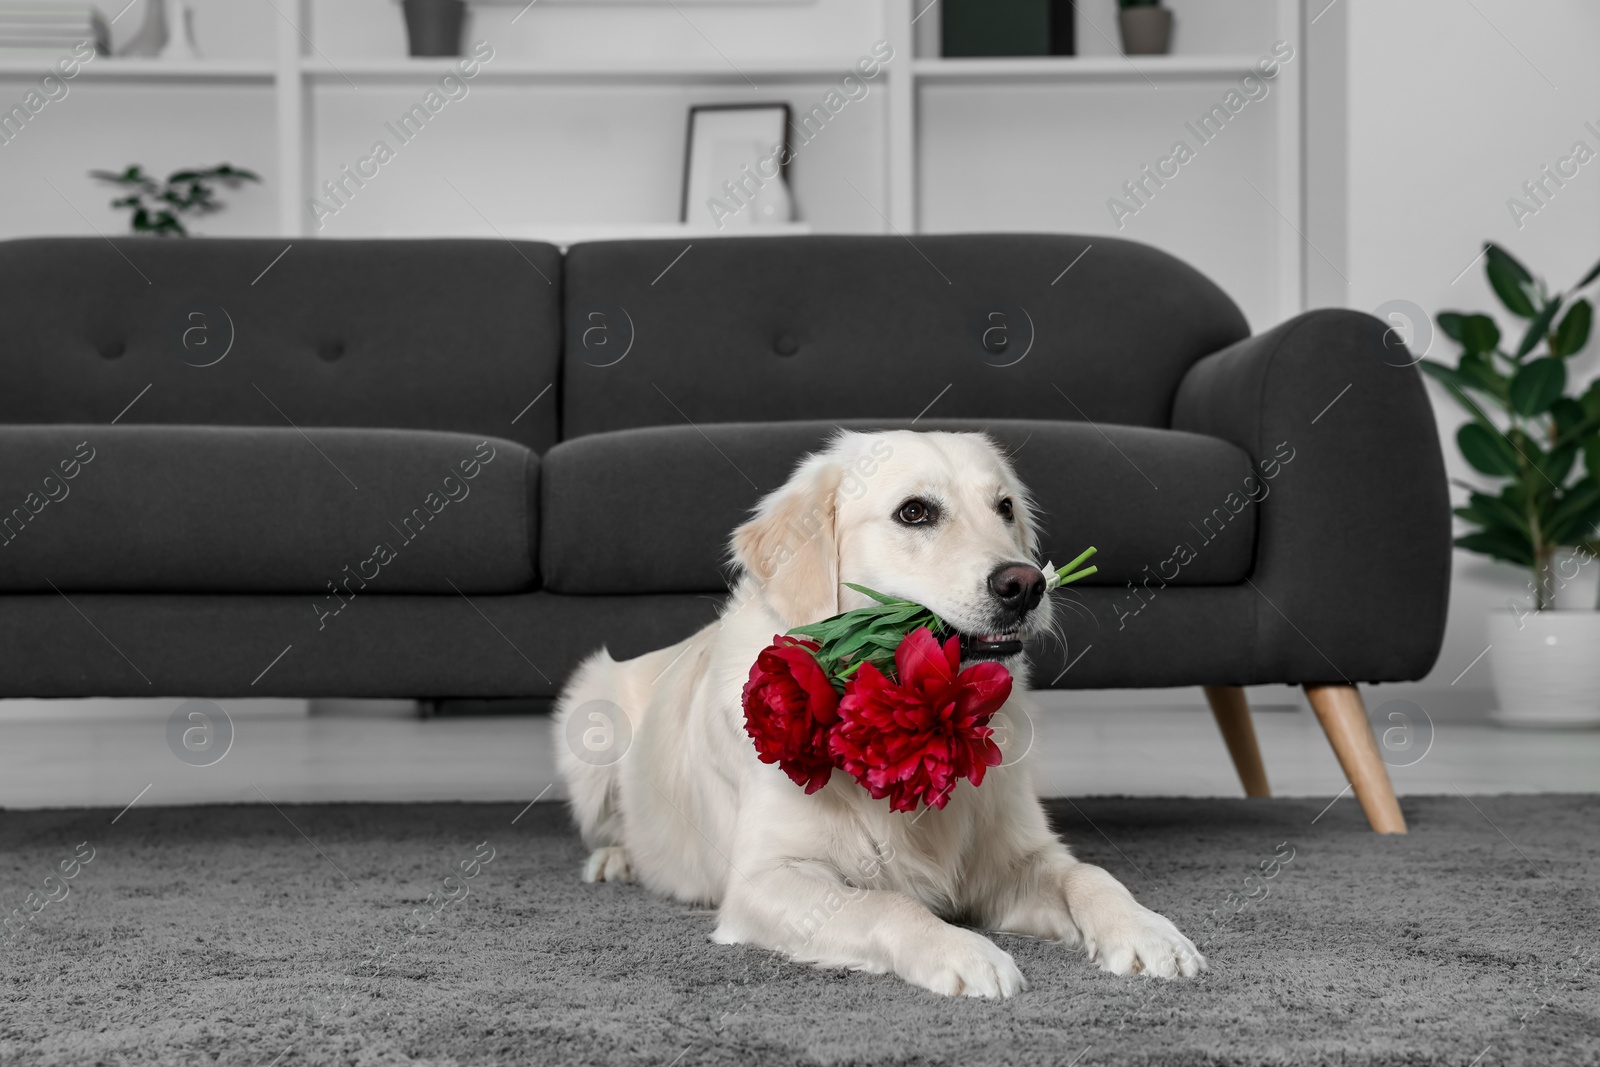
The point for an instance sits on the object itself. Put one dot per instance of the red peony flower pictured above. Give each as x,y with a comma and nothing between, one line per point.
914,739
789,707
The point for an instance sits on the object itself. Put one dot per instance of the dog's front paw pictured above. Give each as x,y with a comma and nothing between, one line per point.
1140,941
608,864
964,964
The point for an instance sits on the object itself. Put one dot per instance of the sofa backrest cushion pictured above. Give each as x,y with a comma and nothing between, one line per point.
453,335
966,326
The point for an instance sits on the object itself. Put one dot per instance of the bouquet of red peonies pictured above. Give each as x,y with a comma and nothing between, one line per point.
879,693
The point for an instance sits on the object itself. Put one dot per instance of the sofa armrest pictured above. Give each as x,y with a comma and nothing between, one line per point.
1353,547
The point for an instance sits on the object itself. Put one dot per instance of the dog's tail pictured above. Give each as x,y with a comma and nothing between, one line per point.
586,731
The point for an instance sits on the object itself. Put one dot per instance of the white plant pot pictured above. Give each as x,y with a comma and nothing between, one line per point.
1546,668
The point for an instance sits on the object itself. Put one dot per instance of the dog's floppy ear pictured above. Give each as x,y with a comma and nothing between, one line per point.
790,547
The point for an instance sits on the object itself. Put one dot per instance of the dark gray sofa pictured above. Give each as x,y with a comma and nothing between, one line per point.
256,437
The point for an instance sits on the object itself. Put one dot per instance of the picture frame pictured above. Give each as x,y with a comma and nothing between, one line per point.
723,138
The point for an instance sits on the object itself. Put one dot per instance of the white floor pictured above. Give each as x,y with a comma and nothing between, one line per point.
110,753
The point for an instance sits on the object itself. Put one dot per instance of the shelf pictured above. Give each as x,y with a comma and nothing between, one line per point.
1081,68
105,68
608,71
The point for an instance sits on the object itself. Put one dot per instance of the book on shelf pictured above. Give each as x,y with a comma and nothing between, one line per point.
45,31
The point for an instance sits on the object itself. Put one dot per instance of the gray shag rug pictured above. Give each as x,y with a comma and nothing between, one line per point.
306,935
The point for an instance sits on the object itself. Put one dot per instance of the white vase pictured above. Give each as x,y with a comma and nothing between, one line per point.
153,34
180,34
1546,668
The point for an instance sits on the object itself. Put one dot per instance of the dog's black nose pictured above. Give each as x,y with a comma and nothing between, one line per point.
1018,586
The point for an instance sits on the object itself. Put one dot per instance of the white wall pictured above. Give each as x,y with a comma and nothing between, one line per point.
1451,108
1024,157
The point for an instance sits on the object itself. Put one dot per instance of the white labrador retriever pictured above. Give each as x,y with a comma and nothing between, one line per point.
836,878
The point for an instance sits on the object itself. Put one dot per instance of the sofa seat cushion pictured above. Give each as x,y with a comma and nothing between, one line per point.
650,510
236,509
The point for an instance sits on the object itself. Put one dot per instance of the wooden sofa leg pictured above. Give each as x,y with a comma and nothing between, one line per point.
1232,710
1344,720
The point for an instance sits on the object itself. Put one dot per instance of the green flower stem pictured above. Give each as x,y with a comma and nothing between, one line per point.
1070,578
1069,574
1069,568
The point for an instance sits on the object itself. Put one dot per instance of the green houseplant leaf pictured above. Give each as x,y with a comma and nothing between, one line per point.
1477,333
1479,371
1494,511
1537,385
1577,512
1573,333
1511,281
1539,328
1594,272
157,206
1487,451
1558,463
1495,544
1458,382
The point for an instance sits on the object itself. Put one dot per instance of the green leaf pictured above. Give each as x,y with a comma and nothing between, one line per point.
1508,540
1573,333
1480,373
1455,382
1538,328
1444,373
1495,544
1558,464
1582,527
1569,517
1538,385
1476,333
1510,280
1487,451
875,595
1578,432
1591,457
1527,448
1472,408
1594,272
1499,511
1568,413
1479,334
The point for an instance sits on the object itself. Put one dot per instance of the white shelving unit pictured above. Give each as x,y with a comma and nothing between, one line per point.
901,152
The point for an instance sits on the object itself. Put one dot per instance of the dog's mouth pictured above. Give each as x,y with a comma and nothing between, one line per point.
1002,645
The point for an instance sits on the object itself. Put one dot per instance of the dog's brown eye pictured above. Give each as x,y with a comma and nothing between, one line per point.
915,513
1005,509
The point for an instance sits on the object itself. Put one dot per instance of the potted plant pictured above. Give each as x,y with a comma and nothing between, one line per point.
158,205
1541,443
1146,27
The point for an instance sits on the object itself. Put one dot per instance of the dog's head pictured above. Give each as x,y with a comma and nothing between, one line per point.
938,518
